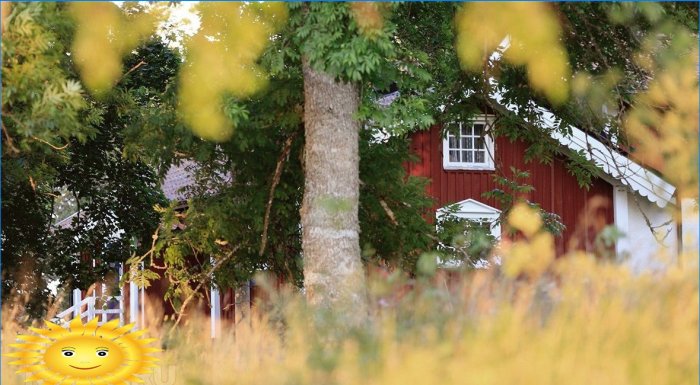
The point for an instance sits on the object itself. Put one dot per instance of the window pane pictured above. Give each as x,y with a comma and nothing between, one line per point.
454,156
465,129
479,143
467,156
452,142
478,129
480,157
467,143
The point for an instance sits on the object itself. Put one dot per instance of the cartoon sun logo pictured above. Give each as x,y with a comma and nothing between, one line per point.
84,354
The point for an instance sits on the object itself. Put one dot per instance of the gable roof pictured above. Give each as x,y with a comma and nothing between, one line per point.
615,165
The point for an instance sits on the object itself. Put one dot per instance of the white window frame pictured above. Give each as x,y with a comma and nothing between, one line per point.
489,147
474,210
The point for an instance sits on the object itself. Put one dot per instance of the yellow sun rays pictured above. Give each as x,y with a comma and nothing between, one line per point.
40,355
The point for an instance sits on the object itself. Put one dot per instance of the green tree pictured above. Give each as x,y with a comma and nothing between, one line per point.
250,221
43,107
59,138
307,91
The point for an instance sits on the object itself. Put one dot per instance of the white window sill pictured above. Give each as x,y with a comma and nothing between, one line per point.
468,167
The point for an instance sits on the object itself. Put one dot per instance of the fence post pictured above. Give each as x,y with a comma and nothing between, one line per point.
90,308
133,303
143,303
122,299
106,306
76,302
215,312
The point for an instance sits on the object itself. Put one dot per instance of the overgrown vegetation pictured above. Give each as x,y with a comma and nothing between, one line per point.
626,73
574,320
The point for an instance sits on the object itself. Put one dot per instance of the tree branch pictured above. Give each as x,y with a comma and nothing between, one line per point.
275,181
132,69
58,148
208,274
9,142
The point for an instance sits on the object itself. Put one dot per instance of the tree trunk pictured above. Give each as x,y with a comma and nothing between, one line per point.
333,273
242,303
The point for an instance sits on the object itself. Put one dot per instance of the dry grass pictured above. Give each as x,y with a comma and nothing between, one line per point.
577,321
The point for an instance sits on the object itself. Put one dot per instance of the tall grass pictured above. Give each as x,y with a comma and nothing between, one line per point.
584,323
574,320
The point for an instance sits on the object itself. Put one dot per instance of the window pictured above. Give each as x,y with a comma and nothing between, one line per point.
475,211
469,148
474,228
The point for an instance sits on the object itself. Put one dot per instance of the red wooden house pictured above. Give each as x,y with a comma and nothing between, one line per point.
461,169
461,163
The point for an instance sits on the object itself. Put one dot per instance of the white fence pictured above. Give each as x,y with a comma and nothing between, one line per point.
86,308
92,307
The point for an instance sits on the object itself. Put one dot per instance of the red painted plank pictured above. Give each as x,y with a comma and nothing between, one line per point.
555,189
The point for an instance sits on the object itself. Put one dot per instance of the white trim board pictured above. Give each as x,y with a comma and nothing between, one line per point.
612,163
475,210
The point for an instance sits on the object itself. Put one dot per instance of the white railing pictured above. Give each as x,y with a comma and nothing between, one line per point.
92,311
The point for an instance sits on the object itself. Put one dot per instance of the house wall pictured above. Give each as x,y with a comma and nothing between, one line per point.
646,250
691,226
584,212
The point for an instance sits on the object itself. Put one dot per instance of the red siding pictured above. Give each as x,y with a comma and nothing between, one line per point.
584,212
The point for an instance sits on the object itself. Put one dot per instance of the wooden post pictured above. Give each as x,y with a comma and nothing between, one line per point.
121,296
90,308
215,312
621,219
143,305
133,303
215,307
105,307
76,302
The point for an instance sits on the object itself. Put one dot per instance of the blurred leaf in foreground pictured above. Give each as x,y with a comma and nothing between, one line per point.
533,30
104,35
221,60
664,122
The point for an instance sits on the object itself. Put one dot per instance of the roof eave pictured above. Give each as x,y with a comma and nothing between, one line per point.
617,166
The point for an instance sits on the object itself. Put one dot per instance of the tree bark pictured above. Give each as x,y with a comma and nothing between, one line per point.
334,277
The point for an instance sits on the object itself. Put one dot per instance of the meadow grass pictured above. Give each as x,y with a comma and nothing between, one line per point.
583,322
572,320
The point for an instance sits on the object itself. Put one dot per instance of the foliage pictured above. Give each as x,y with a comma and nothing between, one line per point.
534,320
42,104
221,60
534,256
238,179
221,56
514,190
623,69
576,320
103,36
596,320
115,199
43,107
664,126
59,140
464,240
532,30
472,241
622,57
393,207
